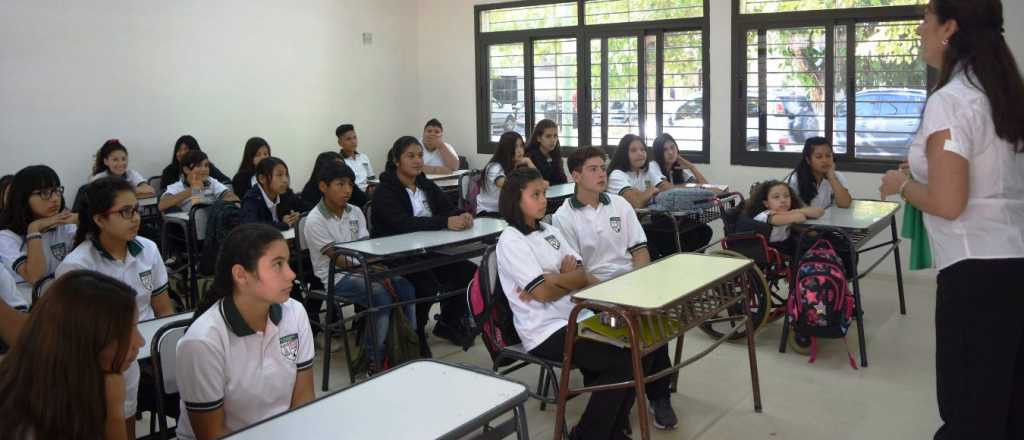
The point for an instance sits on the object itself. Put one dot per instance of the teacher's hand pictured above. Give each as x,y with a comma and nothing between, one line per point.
891,183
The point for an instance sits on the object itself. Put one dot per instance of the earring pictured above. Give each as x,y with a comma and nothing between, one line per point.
945,42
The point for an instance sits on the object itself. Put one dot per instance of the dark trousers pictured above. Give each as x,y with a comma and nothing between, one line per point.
979,350
428,283
661,238
607,411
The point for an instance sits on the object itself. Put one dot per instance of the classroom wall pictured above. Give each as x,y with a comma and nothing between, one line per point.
73,74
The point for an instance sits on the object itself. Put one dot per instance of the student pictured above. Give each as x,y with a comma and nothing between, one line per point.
439,157
334,221
66,381
605,231
359,163
311,191
676,169
249,353
271,201
777,204
816,180
36,231
509,155
107,242
195,187
545,152
112,160
538,270
406,201
256,149
172,172
5,184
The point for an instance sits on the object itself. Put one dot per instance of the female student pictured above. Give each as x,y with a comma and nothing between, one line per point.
5,184
271,201
816,180
777,204
112,160
172,172
359,163
36,231
509,155
249,353
676,169
967,177
107,242
545,152
256,149
335,221
195,186
406,201
66,381
311,191
538,270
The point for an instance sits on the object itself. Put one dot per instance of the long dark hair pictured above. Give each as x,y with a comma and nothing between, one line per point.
659,154
17,213
106,149
755,204
534,143
322,160
190,142
620,159
191,159
51,383
401,144
5,182
252,146
98,198
243,246
504,156
511,193
806,182
980,47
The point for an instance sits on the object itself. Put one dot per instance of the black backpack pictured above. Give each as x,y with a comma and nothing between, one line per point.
222,218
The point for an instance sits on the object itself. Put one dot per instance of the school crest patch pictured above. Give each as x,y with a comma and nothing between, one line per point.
147,280
59,251
290,346
553,242
616,224
353,226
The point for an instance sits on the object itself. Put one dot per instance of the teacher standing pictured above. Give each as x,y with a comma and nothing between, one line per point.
967,177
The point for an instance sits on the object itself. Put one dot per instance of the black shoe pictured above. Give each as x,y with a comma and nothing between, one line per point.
664,415
424,346
457,335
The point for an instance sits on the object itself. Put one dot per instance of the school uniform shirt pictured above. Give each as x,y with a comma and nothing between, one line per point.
211,191
434,158
143,269
132,176
522,262
224,363
605,237
58,242
487,200
826,196
9,291
619,181
779,233
420,204
991,226
360,164
324,229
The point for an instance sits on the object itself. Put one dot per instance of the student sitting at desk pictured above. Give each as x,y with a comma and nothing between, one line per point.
271,201
406,201
311,190
776,203
249,353
358,162
66,381
195,187
545,152
172,172
112,160
107,242
256,149
509,155
676,169
816,180
439,157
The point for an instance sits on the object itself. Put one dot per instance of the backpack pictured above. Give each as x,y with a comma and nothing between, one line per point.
683,200
821,304
222,217
470,192
491,313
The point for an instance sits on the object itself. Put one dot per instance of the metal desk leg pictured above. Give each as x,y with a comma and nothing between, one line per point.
752,348
522,431
638,376
899,266
563,384
679,356
859,316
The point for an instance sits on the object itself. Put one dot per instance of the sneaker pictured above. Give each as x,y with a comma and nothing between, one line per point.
424,346
664,415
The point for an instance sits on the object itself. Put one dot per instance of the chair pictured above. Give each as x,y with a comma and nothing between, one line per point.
194,228
469,189
39,288
463,163
155,182
164,355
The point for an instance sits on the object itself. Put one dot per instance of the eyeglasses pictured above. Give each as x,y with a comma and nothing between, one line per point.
127,213
48,193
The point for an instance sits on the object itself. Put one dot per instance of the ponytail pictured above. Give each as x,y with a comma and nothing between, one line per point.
243,246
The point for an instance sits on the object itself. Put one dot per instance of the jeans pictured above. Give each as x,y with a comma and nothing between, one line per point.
353,289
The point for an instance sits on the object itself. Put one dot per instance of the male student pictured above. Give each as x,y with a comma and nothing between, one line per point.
604,230
439,157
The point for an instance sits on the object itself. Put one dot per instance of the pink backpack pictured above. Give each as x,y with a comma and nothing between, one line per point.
821,304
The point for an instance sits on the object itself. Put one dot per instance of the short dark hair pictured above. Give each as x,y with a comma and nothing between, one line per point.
581,155
266,167
342,129
193,158
433,122
511,192
332,171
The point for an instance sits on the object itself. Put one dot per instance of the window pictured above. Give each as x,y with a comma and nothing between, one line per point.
797,74
620,67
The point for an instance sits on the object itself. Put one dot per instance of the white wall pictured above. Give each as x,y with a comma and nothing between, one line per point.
73,74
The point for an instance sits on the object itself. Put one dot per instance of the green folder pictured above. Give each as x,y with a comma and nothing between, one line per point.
653,330
914,230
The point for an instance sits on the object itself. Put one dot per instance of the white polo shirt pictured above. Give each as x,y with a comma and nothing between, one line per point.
619,181
132,176
222,362
324,229
360,164
487,200
57,244
522,262
211,191
434,158
420,204
605,237
9,291
826,196
779,233
271,204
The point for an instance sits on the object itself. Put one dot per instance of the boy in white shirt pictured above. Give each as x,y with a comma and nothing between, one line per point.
358,162
439,157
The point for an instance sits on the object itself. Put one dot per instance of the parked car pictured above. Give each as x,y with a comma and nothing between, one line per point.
886,121
792,119
506,117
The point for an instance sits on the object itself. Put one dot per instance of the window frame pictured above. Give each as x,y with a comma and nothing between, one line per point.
583,33
829,19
